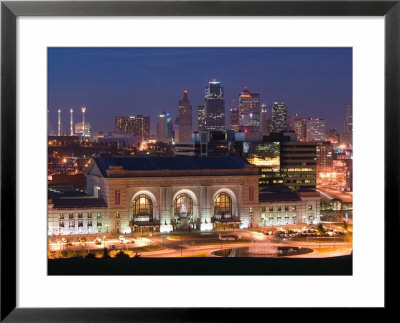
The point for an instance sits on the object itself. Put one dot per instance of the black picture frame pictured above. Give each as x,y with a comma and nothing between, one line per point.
10,10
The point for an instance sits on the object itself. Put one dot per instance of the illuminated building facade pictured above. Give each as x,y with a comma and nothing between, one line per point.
348,122
165,132
266,156
80,128
285,207
346,139
264,120
315,129
215,106
201,118
138,125
166,194
279,117
332,136
184,120
324,157
300,127
249,111
234,119
298,165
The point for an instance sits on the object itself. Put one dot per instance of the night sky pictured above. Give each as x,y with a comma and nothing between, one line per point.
315,82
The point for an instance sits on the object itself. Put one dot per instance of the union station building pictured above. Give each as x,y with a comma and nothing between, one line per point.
142,194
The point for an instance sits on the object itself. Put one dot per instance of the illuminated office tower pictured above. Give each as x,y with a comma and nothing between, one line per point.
249,111
138,125
264,120
214,106
184,120
201,118
315,129
279,117
164,127
348,121
234,119
300,127
332,136
324,157
300,171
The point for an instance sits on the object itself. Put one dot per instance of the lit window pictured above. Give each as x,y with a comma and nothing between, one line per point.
183,205
310,207
99,214
117,215
223,205
61,216
71,224
251,210
143,208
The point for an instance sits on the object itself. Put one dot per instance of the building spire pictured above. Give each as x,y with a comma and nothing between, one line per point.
185,96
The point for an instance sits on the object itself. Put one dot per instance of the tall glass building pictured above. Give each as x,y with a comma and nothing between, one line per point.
184,121
279,117
201,118
215,106
249,110
165,132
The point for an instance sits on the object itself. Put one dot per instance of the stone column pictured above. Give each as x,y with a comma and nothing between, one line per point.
165,217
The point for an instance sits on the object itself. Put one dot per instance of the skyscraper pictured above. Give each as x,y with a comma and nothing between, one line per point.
264,120
324,157
201,118
234,119
165,127
138,125
348,121
215,106
184,120
300,127
315,129
249,111
279,117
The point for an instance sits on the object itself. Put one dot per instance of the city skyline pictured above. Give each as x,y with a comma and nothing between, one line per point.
315,82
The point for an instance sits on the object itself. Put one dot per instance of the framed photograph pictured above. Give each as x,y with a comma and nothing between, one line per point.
188,154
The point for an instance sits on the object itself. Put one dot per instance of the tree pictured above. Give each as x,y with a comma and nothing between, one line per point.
121,255
90,255
320,229
105,253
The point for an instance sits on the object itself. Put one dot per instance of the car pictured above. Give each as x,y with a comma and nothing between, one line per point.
228,237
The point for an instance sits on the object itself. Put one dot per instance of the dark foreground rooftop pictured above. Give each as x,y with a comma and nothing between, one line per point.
202,266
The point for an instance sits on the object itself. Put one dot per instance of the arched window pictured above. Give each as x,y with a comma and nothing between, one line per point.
183,205
223,205
142,208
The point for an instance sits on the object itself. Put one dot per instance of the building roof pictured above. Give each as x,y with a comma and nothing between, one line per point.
74,203
54,191
170,163
278,196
